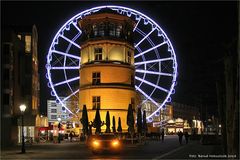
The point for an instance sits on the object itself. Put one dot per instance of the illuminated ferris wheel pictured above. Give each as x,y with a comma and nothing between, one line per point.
155,59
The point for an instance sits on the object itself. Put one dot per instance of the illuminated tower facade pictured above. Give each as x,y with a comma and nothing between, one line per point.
107,66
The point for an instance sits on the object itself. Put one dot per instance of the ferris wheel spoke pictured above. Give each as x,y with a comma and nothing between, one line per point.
65,67
154,61
70,41
152,72
67,81
147,97
75,25
144,38
150,49
151,84
70,95
136,25
66,54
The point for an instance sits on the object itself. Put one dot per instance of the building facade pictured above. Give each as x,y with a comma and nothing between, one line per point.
107,65
19,82
174,117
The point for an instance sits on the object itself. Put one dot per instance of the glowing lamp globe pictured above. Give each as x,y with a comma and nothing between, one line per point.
22,107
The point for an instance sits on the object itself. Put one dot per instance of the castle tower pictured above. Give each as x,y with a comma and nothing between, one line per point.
107,66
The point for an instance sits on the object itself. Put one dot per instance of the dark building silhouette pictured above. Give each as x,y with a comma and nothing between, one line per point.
19,82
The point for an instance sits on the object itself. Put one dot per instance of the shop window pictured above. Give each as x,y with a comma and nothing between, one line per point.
96,78
28,40
98,54
96,102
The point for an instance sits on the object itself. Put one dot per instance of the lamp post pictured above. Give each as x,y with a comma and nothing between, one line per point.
22,109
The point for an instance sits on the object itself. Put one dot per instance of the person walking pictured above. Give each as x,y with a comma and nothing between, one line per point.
180,135
71,136
162,135
186,137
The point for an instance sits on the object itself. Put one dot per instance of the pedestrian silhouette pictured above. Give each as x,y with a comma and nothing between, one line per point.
162,135
71,136
180,135
186,137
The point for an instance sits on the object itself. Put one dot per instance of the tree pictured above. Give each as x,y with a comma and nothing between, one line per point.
114,126
144,125
97,123
108,123
84,120
119,129
139,121
130,121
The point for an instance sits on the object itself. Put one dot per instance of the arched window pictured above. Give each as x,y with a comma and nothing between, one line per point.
95,30
112,28
101,29
118,30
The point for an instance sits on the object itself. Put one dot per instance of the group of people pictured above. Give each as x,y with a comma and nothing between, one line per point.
180,135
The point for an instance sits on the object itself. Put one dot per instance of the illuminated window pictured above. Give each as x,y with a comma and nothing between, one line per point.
96,78
53,110
129,57
96,101
98,54
19,36
28,44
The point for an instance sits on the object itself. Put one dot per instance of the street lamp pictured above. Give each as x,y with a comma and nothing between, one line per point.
22,109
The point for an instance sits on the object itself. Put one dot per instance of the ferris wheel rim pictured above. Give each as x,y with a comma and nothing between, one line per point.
113,7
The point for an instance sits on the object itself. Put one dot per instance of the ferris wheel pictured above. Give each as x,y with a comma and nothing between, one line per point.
155,60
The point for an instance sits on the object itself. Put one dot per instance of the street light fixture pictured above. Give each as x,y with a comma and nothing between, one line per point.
22,109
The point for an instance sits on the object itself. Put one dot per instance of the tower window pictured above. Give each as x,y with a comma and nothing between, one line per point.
129,57
111,29
96,78
98,54
118,30
101,29
95,30
96,101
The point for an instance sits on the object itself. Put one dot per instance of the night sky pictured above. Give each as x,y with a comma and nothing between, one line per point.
199,32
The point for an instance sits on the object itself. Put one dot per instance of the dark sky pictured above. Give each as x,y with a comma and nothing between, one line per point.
197,30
